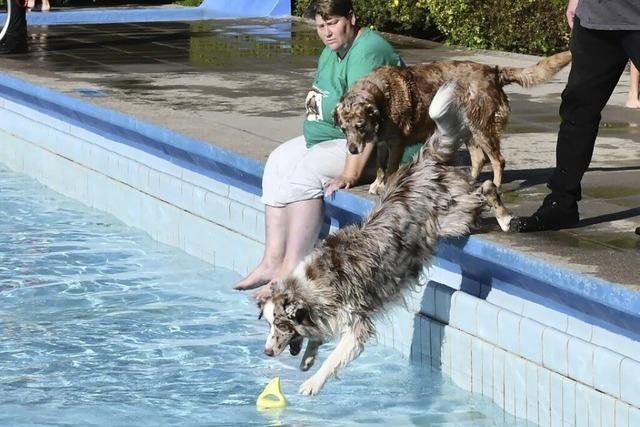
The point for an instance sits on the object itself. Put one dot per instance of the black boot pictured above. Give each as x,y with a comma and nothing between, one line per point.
552,215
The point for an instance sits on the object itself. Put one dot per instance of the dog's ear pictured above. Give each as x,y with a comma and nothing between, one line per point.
302,317
336,115
298,314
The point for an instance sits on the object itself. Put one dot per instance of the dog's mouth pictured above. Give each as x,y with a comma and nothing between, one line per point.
354,149
295,345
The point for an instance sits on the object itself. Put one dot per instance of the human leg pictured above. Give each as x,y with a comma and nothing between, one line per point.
305,206
274,180
598,62
632,97
276,226
45,6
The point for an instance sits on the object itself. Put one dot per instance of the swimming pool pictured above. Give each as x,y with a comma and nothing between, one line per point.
101,325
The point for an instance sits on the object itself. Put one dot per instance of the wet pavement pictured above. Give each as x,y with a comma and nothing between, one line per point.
241,85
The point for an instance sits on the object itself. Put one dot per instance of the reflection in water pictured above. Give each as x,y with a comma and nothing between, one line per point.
248,44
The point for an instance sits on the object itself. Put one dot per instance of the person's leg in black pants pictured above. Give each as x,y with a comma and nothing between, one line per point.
599,59
14,39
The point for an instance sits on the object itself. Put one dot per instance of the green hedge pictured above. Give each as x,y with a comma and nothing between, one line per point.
400,16
527,26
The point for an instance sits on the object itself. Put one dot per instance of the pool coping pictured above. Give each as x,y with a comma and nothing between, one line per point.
606,302
208,9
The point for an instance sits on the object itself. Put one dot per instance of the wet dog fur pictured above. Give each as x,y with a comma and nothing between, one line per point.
390,106
351,277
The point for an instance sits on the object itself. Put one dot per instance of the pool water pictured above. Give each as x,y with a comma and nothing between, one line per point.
102,326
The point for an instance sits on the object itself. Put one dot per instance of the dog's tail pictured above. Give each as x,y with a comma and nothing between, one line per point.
451,120
542,72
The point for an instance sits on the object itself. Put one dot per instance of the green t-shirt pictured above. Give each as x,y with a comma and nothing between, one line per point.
335,76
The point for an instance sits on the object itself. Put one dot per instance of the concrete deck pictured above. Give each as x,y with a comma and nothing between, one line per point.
241,84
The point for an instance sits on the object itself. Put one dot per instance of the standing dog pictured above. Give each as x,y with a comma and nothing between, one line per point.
356,271
390,107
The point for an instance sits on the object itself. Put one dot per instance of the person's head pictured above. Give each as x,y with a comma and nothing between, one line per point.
335,23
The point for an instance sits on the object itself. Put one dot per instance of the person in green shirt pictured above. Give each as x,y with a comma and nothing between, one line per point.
301,171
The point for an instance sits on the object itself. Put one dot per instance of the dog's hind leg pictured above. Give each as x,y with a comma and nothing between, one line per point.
477,158
350,346
491,197
491,148
310,353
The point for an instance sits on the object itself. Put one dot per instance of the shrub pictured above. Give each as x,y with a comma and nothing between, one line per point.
527,26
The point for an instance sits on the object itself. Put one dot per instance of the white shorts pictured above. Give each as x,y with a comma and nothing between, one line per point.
294,172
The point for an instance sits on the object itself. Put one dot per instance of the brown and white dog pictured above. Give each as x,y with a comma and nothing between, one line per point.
390,106
357,271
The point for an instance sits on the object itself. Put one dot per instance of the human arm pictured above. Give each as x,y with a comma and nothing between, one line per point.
353,167
571,11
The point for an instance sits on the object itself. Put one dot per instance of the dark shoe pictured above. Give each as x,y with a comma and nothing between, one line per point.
638,231
552,216
13,48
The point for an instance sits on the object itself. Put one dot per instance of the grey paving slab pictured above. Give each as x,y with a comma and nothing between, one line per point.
241,85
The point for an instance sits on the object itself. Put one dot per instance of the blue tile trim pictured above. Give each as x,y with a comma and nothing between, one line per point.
576,294
209,9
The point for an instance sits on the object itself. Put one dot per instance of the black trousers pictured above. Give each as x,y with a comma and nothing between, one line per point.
599,59
16,35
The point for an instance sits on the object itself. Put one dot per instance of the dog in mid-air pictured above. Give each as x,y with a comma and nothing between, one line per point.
390,107
357,271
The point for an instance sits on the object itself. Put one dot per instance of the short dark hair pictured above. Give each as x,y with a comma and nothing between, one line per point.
327,8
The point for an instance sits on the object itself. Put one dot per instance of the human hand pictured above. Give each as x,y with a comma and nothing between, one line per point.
571,12
337,183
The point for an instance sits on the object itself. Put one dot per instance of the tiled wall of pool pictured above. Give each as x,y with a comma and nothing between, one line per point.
548,365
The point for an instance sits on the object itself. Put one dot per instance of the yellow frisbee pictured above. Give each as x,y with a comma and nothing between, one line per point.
272,397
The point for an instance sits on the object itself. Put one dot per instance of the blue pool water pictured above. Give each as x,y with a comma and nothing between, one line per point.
101,326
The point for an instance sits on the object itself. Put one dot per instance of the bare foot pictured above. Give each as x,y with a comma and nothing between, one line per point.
258,277
632,103
31,4
264,293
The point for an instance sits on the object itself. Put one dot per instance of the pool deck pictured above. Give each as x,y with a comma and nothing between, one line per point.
240,85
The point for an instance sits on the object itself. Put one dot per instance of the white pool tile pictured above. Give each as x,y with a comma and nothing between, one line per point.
499,357
487,369
463,312
531,340
476,365
509,331
568,402
630,382
582,405
544,396
510,383
581,361
487,327
622,414
554,350
545,315
606,364
532,383
555,399
607,411
594,399
520,386
579,328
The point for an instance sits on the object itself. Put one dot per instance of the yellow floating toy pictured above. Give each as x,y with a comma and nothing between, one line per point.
272,397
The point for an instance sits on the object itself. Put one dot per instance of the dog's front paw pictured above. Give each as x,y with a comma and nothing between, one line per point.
376,187
307,363
312,386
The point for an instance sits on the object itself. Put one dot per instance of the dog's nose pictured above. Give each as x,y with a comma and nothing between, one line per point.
353,149
268,352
